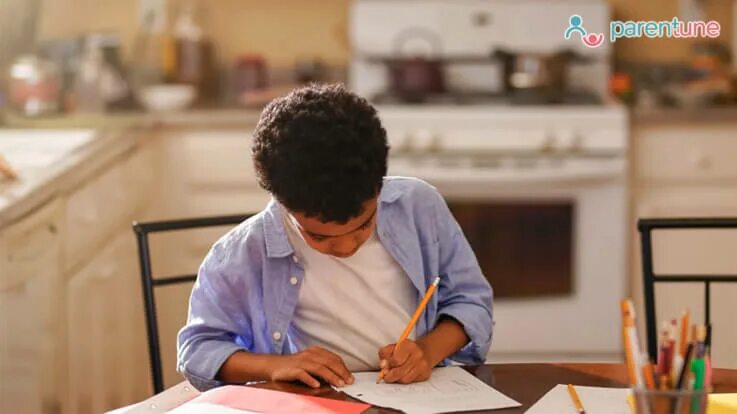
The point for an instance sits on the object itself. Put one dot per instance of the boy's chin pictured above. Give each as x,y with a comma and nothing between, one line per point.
342,255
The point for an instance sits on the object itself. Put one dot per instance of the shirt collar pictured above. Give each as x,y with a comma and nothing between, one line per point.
275,235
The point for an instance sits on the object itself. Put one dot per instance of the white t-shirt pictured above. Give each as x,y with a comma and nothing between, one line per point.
351,306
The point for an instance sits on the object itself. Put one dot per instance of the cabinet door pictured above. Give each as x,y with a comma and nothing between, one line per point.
108,363
209,172
693,251
31,363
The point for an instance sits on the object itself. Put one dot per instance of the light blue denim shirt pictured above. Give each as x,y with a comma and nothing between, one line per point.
247,288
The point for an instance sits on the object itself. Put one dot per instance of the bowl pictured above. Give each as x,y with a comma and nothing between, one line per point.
167,97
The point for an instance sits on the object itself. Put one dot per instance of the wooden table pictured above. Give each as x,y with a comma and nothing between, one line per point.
525,383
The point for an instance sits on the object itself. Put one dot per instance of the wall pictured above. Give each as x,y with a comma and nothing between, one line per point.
644,49
17,20
283,30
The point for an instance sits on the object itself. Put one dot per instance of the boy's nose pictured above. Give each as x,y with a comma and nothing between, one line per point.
344,248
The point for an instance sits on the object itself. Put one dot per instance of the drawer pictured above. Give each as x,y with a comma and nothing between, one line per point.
216,158
213,203
708,153
31,246
93,212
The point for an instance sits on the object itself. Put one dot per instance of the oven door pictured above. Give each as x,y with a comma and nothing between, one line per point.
549,235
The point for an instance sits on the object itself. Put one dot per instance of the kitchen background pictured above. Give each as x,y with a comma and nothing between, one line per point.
118,111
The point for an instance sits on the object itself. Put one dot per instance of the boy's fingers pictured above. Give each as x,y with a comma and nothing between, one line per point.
336,364
325,373
307,379
400,355
408,376
386,351
394,374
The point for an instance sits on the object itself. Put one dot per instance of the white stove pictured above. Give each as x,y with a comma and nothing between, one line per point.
488,154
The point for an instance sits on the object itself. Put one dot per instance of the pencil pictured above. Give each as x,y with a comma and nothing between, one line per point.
683,342
412,322
576,401
631,343
648,375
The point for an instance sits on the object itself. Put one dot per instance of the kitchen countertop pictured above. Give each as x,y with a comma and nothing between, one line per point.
200,117
113,135
36,186
681,116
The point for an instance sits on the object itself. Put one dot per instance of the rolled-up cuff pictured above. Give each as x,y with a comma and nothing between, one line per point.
205,363
478,327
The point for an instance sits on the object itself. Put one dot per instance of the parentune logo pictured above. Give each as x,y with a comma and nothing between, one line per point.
589,39
618,29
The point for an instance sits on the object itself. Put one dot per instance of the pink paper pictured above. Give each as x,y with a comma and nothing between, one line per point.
275,402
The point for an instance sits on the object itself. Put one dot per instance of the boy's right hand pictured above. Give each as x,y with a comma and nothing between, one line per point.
310,363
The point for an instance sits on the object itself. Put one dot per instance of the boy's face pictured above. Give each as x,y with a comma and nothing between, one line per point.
339,240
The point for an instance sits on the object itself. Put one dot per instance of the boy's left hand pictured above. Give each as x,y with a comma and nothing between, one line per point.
405,365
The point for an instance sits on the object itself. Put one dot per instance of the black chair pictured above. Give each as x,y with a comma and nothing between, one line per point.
149,283
645,227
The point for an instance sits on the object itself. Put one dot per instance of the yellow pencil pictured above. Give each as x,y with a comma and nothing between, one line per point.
576,401
413,321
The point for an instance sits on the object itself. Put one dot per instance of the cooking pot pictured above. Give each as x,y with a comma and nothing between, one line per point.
413,79
541,73
416,73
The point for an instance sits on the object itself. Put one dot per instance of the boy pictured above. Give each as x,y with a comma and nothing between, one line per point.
322,281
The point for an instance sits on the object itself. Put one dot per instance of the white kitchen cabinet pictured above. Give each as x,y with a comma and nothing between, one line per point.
31,341
689,172
108,360
106,203
210,172
72,330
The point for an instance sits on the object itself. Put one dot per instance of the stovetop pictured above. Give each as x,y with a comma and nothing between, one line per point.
521,98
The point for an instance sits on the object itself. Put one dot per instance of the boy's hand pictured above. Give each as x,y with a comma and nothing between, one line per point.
405,365
310,363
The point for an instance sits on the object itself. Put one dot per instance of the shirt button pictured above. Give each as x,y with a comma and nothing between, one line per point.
276,335
293,280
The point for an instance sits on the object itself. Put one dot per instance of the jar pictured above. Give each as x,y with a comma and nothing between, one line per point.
34,86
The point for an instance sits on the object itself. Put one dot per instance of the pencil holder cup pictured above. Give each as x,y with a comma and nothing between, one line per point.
669,402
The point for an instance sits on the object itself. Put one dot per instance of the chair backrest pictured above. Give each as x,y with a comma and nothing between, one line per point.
645,227
149,283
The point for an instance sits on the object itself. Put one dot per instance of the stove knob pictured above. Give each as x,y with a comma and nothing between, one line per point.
436,143
423,140
571,141
577,143
548,144
408,142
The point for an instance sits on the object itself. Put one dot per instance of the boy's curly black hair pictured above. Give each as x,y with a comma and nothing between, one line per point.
322,151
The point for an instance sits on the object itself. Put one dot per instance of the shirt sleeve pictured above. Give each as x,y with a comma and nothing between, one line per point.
464,294
216,325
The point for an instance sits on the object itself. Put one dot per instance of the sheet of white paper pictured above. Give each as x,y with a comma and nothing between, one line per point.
448,389
200,408
596,400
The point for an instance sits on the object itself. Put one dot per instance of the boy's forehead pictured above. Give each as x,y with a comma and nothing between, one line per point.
315,226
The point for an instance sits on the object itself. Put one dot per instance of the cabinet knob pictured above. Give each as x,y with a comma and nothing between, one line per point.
702,161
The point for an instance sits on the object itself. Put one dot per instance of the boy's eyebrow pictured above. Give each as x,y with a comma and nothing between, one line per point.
343,234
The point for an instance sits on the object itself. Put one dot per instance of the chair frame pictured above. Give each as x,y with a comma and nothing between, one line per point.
149,283
645,227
